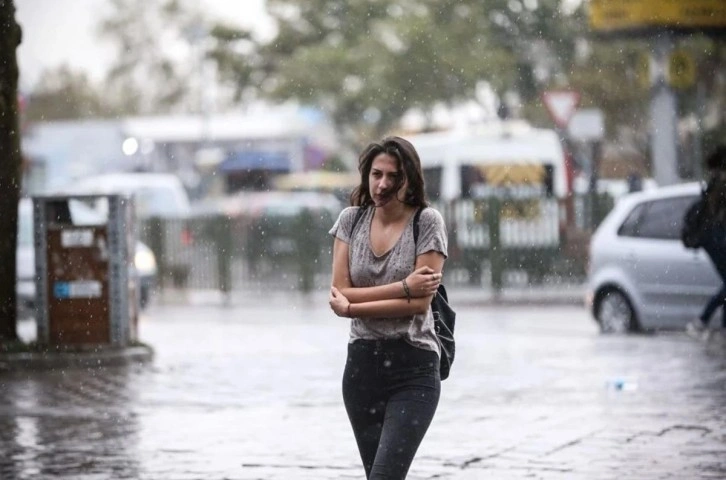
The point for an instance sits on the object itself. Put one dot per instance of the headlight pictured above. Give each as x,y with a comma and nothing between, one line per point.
145,262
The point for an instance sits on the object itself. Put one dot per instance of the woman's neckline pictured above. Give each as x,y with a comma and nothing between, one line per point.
398,240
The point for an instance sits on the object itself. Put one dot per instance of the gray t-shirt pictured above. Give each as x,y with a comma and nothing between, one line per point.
368,270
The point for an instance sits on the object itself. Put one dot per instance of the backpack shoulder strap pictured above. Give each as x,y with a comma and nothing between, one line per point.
356,219
416,217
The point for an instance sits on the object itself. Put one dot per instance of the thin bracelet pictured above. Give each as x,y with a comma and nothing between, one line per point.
349,315
406,290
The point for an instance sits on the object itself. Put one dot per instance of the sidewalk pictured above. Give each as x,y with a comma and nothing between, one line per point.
252,392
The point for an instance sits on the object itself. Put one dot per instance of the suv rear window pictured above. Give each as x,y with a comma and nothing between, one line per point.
659,219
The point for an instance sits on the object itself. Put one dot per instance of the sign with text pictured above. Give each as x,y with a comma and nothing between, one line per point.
78,289
587,125
612,16
681,69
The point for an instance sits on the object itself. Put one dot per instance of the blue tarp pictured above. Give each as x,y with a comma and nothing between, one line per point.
255,160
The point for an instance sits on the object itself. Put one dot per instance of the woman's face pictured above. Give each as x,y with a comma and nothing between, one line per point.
383,178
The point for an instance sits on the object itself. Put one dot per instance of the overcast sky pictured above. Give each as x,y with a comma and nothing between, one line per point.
64,31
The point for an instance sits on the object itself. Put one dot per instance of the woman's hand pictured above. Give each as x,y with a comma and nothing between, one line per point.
424,281
338,303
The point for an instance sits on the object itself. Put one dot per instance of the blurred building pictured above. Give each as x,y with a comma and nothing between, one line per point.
55,153
212,155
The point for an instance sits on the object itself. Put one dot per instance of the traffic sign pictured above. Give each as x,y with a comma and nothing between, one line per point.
681,69
642,70
609,16
588,124
561,105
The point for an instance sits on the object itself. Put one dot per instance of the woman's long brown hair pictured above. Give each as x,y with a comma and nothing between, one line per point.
408,161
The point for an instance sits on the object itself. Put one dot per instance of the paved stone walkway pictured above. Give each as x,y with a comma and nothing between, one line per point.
254,393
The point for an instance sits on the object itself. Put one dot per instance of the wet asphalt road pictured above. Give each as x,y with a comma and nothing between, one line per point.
247,392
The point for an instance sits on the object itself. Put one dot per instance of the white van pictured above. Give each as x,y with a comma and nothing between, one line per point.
475,161
156,194
524,166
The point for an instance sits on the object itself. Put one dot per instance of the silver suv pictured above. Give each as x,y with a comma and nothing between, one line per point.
640,276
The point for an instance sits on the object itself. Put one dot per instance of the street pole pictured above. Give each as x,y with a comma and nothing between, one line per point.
698,136
593,190
663,114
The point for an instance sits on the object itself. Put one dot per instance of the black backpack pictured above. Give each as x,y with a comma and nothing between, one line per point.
694,221
444,315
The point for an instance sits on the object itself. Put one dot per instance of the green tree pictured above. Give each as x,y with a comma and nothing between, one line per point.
553,49
706,97
541,35
157,66
10,174
609,78
63,94
234,52
367,62
613,76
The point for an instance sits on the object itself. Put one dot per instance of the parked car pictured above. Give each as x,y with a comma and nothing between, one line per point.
280,222
156,194
640,276
144,260
272,226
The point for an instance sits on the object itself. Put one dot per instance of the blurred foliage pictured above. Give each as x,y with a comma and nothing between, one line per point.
368,62
706,98
235,54
154,41
703,105
608,78
542,35
335,163
62,93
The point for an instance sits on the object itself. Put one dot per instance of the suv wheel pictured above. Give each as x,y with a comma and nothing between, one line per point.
615,314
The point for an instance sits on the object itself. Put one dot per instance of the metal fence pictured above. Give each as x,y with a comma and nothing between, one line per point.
492,241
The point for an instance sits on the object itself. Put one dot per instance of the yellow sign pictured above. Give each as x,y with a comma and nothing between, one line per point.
642,71
681,70
623,15
513,174
522,209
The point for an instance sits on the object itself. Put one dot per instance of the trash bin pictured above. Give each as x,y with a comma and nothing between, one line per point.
85,282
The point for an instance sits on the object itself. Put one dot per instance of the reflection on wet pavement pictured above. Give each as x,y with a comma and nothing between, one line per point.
254,393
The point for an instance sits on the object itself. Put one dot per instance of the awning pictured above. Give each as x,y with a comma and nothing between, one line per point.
317,180
255,160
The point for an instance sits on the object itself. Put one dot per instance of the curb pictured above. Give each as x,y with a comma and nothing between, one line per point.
95,358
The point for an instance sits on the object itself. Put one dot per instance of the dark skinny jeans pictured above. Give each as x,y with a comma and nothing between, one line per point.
391,390
714,243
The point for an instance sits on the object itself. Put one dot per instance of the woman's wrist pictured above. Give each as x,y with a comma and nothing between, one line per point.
406,290
350,315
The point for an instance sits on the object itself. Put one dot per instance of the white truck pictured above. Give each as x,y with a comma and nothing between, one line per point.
524,168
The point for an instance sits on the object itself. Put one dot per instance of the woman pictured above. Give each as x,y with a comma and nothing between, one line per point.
384,281
713,241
